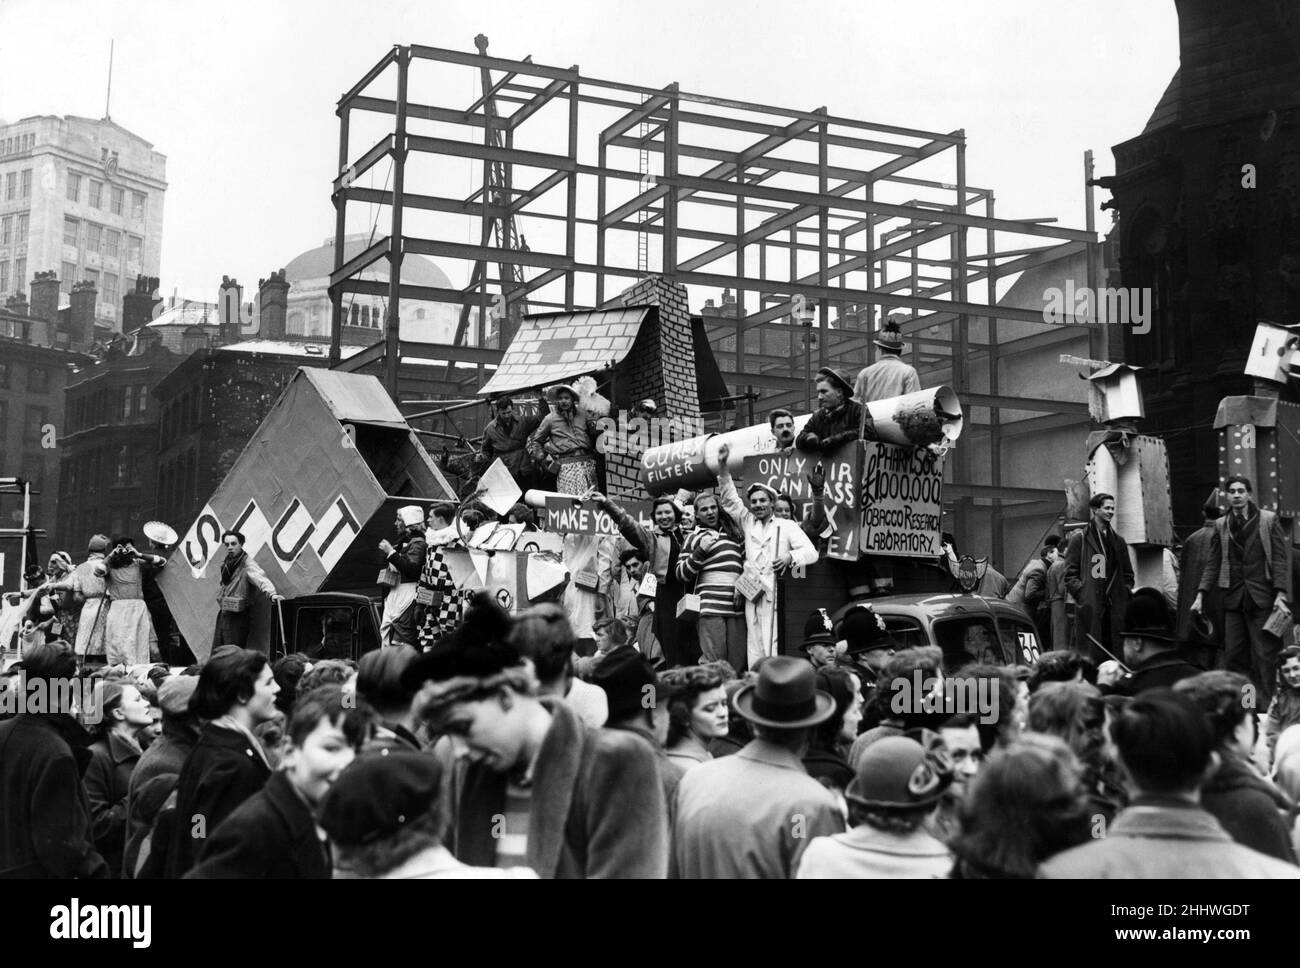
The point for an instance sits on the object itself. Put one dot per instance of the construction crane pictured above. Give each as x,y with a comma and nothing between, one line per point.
500,229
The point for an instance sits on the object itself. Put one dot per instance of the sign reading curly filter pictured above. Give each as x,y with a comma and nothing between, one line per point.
903,491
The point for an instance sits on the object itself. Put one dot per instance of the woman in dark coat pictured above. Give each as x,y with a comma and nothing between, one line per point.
236,692
661,547
273,834
114,754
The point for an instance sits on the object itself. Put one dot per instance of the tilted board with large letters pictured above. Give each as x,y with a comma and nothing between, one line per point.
313,492
902,490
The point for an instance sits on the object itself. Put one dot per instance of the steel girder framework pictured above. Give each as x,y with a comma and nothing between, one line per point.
805,216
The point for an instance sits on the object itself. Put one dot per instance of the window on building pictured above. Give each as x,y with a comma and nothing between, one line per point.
71,227
96,194
137,206
4,413
110,289
20,274
356,315
112,240
4,276
118,195
128,398
133,246
141,398
24,220
38,380
11,186
37,418
74,186
9,146
94,234
4,374
121,464
67,277
25,189
6,230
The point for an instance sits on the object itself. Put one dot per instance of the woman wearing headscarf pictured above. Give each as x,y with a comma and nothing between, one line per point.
55,610
129,638
87,584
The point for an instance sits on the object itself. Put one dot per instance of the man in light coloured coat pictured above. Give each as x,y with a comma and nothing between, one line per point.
753,813
889,376
772,546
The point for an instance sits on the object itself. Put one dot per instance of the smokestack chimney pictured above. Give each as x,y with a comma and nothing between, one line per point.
230,297
81,320
45,297
17,304
138,305
272,303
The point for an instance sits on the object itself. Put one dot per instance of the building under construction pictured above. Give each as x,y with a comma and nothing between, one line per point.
796,232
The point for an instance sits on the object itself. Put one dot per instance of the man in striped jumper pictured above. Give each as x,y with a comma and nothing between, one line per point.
711,562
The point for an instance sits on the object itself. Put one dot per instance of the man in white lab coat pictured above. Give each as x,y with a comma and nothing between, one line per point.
772,547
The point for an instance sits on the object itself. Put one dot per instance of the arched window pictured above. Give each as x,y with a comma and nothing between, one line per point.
297,323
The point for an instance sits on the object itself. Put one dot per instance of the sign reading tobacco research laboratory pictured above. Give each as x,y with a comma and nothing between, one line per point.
903,490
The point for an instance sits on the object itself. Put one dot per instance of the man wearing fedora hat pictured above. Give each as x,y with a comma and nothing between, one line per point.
839,418
889,376
752,814
1154,656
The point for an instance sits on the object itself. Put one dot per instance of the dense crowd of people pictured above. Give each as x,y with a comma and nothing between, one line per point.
488,755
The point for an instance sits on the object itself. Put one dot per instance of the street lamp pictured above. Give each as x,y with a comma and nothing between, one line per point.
805,318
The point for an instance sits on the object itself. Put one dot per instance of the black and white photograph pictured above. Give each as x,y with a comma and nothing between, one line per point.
674,441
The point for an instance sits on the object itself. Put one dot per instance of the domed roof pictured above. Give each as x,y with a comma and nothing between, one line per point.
319,263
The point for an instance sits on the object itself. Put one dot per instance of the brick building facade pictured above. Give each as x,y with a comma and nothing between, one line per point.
1208,199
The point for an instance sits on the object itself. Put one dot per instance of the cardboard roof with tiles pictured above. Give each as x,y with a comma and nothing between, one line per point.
558,347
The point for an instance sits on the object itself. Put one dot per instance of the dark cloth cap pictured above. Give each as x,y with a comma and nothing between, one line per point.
624,674
378,794
478,648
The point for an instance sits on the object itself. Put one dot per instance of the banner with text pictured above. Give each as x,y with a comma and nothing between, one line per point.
569,515
788,474
903,491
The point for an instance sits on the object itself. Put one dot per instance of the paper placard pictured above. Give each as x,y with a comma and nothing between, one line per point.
788,474
903,492
570,515
501,491
649,586
751,584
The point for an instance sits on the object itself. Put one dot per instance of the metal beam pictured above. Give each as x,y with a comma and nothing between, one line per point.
381,149
360,261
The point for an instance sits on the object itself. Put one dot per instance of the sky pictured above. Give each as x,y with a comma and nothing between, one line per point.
240,96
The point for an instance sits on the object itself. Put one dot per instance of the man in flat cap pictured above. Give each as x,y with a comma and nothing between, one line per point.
839,418
772,547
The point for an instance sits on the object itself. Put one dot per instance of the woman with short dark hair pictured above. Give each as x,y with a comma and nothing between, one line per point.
698,713
236,692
